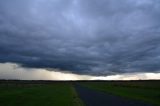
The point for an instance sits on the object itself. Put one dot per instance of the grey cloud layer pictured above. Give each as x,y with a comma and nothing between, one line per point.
82,36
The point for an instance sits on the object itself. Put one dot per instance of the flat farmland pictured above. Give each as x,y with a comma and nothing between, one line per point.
146,91
55,94
79,93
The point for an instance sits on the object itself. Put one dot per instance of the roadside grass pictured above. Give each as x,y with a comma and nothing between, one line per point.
76,101
58,94
148,92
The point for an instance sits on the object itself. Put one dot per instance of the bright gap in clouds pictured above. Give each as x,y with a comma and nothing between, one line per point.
14,71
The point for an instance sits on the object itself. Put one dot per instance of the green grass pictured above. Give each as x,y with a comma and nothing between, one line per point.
58,94
148,92
76,101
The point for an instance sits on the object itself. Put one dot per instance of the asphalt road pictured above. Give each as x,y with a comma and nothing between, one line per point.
92,97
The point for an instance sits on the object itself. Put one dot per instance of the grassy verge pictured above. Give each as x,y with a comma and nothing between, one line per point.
147,92
58,94
76,101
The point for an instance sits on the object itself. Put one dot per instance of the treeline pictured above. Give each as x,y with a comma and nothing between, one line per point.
2,81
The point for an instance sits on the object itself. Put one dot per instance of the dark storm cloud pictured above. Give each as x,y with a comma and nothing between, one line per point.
82,36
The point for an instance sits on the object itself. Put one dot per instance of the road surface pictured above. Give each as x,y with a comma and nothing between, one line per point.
92,97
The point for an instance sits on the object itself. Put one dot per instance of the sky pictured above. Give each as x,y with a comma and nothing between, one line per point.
79,39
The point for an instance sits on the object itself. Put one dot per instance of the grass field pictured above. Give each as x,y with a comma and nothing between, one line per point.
57,94
147,91
41,93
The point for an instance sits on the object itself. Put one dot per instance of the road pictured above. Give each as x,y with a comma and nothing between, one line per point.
92,97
